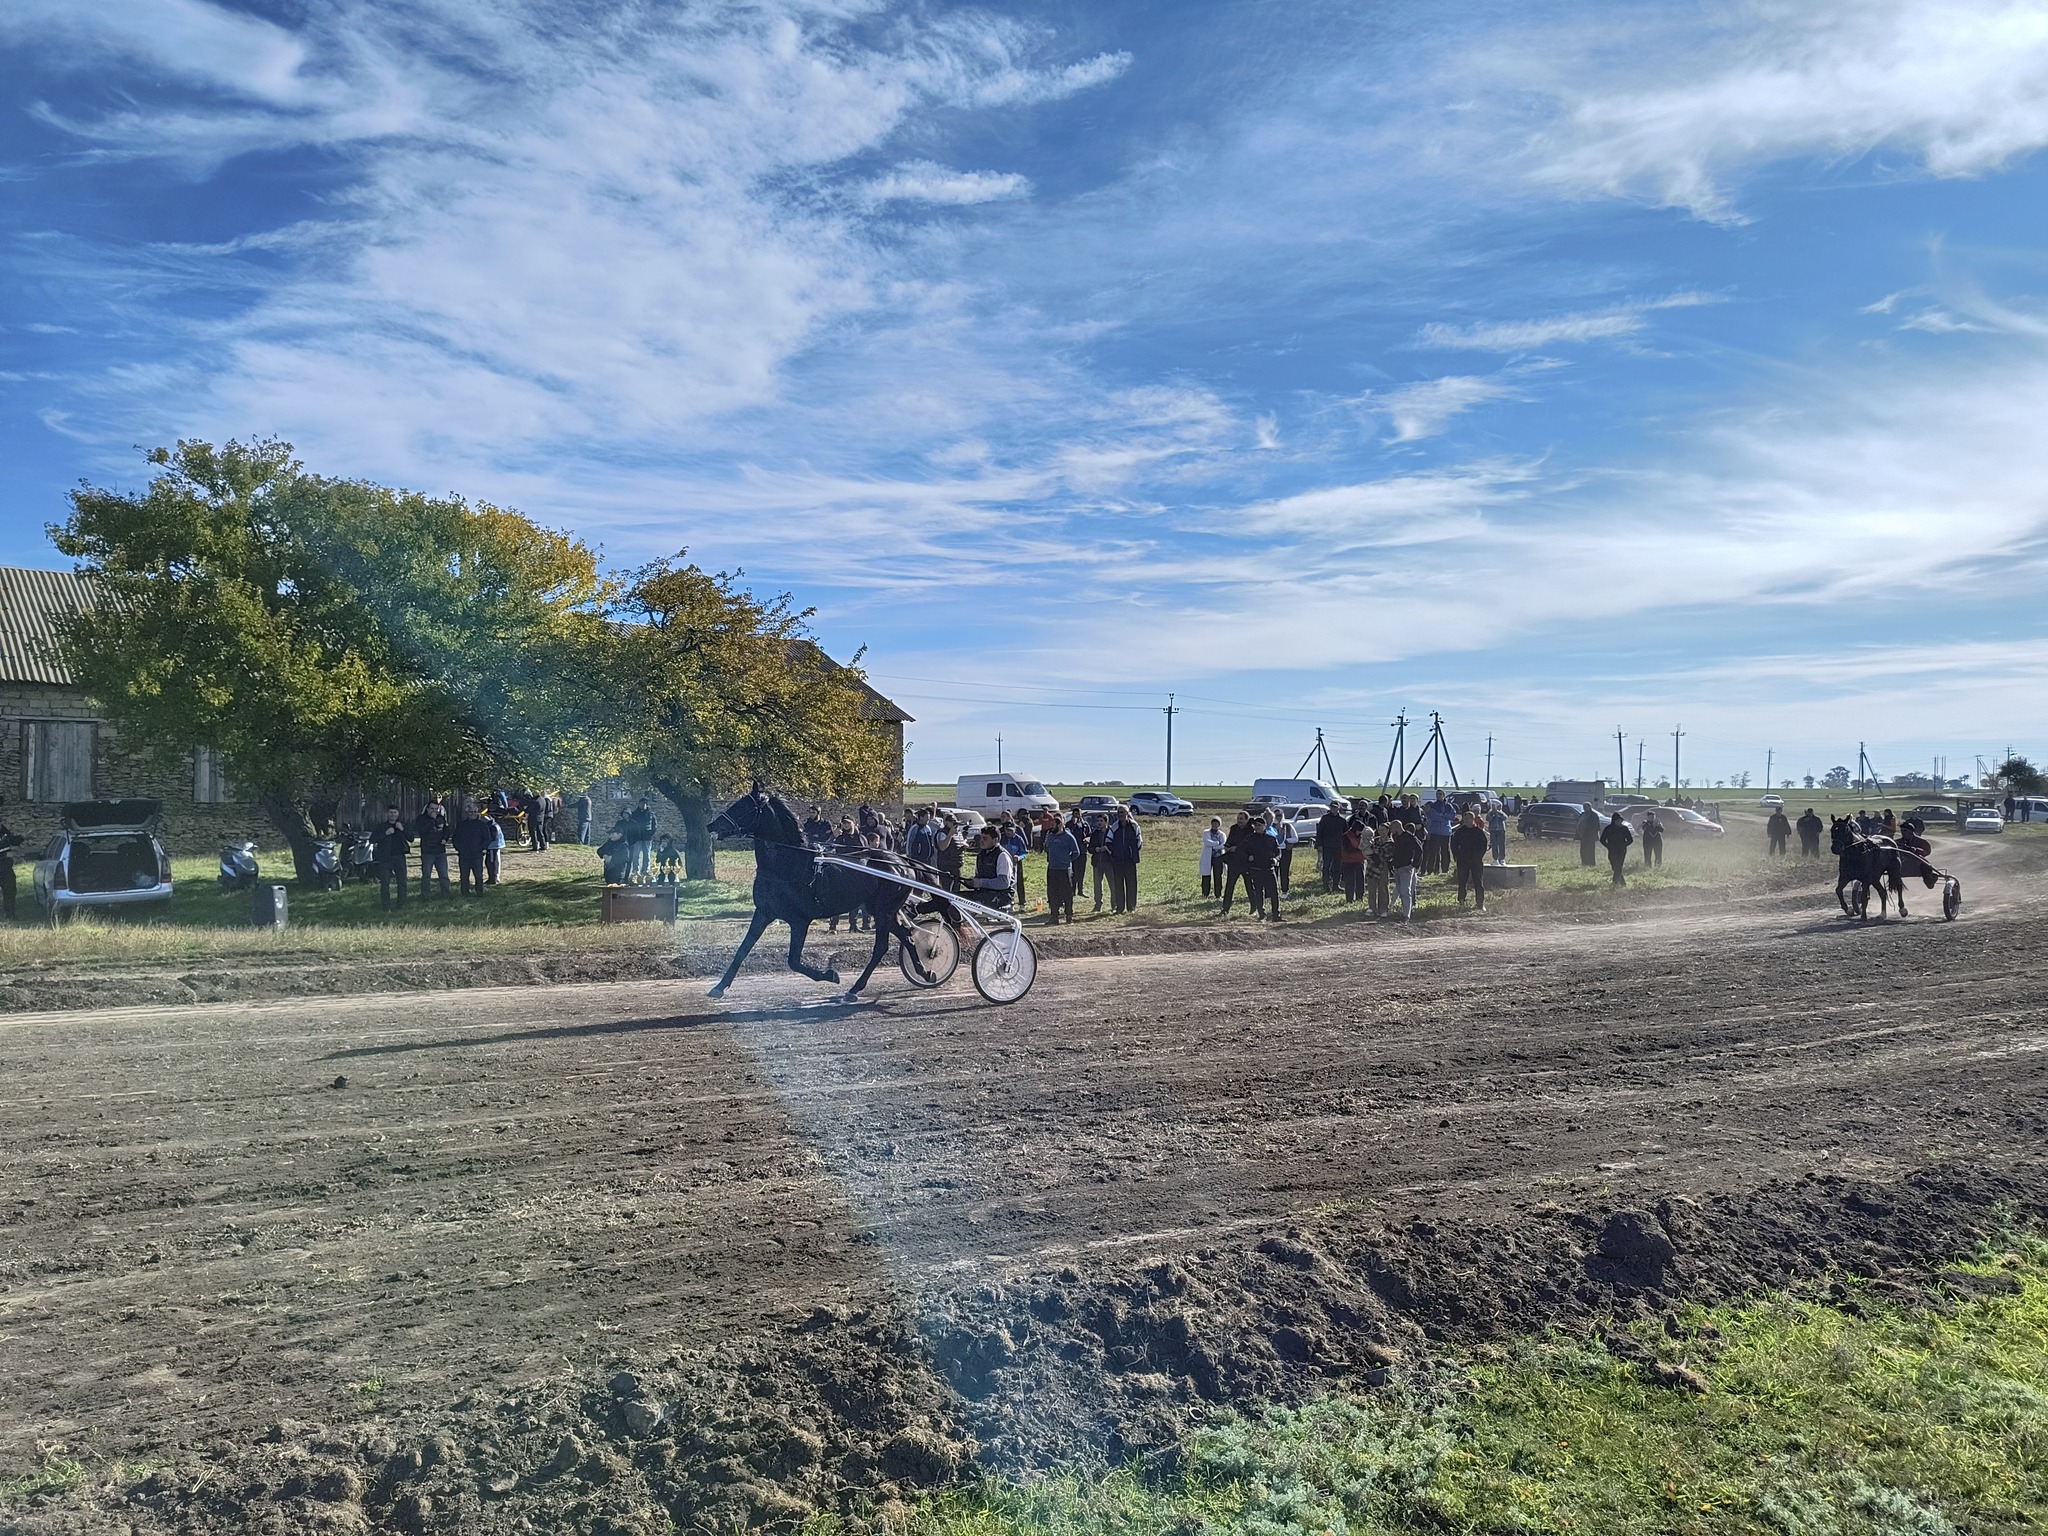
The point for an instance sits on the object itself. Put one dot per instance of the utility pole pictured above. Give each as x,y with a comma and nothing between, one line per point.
1675,735
1170,713
1639,765
1620,762
1769,757
1398,758
999,751
1489,762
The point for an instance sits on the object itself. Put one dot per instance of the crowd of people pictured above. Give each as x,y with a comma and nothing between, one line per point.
477,828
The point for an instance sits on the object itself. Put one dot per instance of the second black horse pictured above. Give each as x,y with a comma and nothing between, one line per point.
792,886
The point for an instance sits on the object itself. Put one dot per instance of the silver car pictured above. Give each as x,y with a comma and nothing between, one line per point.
110,853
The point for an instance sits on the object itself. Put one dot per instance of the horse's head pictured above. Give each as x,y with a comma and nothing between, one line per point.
746,817
1843,835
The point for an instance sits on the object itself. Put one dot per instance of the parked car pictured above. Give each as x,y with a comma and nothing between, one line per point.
1677,819
970,822
1984,818
109,853
1105,803
1154,802
1930,814
1550,818
1772,802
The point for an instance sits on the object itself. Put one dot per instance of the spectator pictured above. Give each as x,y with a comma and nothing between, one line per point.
1589,836
1779,830
641,830
1211,864
1286,834
1468,858
921,841
1261,852
581,806
1351,857
1653,842
1891,823
995,880
1615,837
1017,843
1233,859
1810,829
1331,830
472,837
1062,848
849,843
1126,844
1098,854
2011,804
391,845
949,853
1404,859
433,832
9,841
817,829
668,859
1376,843
494,849
1439,821
1497,832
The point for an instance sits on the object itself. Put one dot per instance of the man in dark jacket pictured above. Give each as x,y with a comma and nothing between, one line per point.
1233,860
817,828
1405,858
1330,830
1468,858
1780,831
1615,837
1126,843
472,836
391,843
1062,848
1589,836
432,830
9,841
1810,829
1260,851
641,831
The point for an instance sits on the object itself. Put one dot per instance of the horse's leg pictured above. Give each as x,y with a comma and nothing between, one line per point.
885,926
799,928
755,929
1899,890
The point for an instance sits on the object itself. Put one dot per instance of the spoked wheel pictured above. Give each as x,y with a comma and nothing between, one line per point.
1005,965
1951,900
932,944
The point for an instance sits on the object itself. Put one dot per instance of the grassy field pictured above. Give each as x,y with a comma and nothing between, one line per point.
1812,1421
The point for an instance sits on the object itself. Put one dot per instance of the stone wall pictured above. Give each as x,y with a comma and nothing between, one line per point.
118,773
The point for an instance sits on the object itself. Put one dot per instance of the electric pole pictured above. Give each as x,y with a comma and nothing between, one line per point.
1639,765
1170,712
1620,762
1675,735
999,751
1489,762
1769,758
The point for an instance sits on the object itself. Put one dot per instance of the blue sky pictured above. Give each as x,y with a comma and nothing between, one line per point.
1564,369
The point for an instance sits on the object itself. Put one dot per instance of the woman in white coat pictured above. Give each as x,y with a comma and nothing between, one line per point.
1212,858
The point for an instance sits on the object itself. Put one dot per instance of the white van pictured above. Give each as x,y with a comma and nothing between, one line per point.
994,793
1298,792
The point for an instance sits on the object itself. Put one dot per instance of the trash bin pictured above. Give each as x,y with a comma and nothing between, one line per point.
271,910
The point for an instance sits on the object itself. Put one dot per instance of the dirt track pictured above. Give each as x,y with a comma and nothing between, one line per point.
843,1248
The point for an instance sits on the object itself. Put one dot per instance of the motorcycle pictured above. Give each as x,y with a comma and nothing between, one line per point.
358,857
327,864
238,869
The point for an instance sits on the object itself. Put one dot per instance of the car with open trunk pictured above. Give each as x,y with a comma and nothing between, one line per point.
107,853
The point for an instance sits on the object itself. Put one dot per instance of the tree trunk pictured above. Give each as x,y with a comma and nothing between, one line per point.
289,816
693,801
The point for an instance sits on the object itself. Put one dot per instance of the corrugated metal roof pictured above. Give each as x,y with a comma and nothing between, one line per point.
30,602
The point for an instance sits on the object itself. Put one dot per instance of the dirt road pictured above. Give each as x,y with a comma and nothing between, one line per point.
401,1244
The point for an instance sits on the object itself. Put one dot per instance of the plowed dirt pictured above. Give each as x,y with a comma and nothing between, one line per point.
610,1255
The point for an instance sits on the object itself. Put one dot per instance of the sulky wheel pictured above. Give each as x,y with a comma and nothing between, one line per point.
1951,900
1005,965
937,948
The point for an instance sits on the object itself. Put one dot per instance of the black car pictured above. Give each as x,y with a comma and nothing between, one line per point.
1550,818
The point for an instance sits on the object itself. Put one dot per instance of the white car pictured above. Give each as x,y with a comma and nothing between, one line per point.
1772,802
1153,802
970,822
1983,819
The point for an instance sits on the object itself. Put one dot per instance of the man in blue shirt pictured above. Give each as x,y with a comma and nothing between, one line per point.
1062,848
1439,820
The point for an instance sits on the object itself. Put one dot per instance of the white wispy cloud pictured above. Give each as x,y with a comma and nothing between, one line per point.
922,181
1425,408
1529,335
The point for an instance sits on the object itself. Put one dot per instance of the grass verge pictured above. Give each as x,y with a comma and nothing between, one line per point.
1814,1421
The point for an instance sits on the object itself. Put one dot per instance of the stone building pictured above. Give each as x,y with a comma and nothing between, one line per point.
55,748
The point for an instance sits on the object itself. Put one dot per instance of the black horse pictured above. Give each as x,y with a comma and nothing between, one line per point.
791,886
1876,863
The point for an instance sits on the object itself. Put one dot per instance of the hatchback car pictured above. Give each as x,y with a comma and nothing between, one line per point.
1551,818
110,853
1772,802
1153,802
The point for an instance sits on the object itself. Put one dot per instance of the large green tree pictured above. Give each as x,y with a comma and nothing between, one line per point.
321,633
725,688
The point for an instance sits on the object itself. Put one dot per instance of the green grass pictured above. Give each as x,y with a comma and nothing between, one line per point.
1816,1422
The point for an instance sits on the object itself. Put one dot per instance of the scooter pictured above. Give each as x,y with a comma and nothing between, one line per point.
327,864
358,857
238,866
